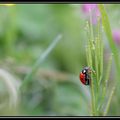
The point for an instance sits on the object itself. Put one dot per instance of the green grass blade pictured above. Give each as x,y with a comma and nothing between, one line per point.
107,29
10,31
105,82
108,71
109,100
40,59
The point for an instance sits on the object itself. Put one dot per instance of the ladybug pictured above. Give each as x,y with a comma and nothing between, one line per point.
85,77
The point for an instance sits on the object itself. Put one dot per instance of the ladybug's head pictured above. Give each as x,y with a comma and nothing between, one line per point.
86,70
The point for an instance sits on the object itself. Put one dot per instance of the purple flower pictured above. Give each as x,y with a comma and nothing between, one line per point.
116,36
86,8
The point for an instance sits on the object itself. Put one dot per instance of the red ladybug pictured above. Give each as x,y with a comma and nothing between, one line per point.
85,77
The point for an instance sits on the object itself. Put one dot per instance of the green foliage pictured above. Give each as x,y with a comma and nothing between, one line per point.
94,55
108,32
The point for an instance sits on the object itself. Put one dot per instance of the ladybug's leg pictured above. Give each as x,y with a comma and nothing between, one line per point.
87,82
87,79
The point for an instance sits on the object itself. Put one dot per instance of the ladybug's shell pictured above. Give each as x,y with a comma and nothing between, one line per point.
82,78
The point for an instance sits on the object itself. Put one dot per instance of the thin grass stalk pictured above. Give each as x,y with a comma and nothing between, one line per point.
109,100
107,76
91,49
40,60
107,29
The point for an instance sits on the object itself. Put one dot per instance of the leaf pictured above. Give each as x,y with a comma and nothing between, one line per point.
109,100
107,29
40,59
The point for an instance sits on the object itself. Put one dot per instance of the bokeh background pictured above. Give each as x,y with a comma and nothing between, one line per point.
26,31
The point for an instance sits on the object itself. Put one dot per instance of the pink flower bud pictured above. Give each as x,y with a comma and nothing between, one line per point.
116,36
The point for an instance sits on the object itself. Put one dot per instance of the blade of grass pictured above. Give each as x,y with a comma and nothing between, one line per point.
40,59
100,50
89,63
90,50
97,60
105,81
101,61
107,29
10,31
109,100
107,74
96,52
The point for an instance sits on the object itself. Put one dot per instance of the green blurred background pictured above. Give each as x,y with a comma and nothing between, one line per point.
26,31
